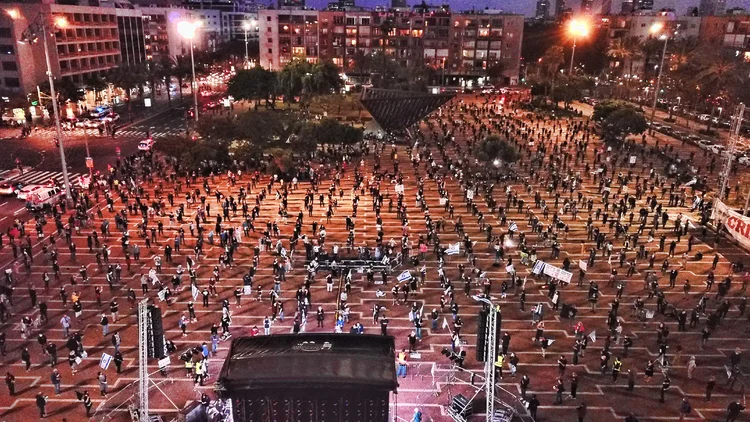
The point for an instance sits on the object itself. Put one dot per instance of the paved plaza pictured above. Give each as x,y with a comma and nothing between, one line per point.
557,169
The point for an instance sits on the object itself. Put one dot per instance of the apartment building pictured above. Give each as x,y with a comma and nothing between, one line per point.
87,41
162,38
731,32
639,24
459,44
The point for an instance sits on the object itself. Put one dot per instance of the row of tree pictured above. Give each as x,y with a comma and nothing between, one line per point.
297,79
250,136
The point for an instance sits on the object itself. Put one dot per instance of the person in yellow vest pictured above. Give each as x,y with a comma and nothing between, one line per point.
499,362
401,364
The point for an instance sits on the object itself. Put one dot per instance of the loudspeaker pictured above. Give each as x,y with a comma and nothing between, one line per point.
461,406
155,332
481,334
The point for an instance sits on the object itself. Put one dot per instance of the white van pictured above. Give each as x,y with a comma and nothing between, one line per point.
39,198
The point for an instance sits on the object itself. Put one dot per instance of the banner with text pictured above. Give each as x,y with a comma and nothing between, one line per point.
736,224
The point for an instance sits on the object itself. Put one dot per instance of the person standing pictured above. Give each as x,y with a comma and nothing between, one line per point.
104,322
417,415
118,361
581,411
56,380
116,340
41,404
685,408
26,358
402,364
710,388
616,367
103,387
525,381
574,386
559,389
631,380
10,381
87,404
533,406
735,408
664,387
691,367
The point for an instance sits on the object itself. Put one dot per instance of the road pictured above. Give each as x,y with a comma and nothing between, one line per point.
41,158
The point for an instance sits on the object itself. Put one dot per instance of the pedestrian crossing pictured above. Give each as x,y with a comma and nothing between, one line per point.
134,133
39,177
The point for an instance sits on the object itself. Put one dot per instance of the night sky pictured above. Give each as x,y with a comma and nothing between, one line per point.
528,7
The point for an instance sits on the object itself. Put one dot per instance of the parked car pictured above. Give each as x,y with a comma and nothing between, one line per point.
146,145
10,188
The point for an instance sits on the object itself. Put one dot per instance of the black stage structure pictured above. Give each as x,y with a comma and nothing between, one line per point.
317,377
397,110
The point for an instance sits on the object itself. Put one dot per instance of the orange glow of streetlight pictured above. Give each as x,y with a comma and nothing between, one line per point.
579,27
13,13
61,22
656,28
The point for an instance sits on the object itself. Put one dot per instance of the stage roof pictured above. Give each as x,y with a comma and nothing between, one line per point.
397,110
335,361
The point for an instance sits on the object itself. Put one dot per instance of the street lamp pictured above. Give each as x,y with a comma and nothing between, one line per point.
655,29
577,28
44,26
246,26
187,30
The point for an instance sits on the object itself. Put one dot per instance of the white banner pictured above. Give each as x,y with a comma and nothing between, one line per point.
163,363
195,291
509,269
538,267
400,189
105,361
453,249
470,194
558,273
583,265
443,201
736,224
632,159
406,275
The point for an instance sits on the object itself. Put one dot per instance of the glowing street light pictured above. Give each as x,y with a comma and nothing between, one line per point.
187,30
577,28
658,29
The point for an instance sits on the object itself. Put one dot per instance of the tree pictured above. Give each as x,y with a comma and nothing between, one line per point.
95,83
68,91
495,148
623,122
300,78
252,85
551,61
328,131
603,109
166,71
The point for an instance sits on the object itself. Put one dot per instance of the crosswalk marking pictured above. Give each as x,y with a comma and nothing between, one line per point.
34,177
124,132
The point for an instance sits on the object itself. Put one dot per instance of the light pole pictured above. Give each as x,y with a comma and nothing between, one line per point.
657,28
42,26
577,28
187,30
246,27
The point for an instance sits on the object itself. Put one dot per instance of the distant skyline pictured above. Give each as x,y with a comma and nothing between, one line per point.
528,7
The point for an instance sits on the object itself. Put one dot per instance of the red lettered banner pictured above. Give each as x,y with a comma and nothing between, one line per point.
736,224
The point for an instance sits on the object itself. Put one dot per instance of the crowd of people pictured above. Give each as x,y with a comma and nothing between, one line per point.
228,240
